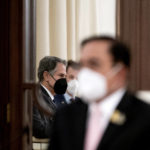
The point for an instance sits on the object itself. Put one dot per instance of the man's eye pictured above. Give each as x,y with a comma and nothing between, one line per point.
94,63
62,76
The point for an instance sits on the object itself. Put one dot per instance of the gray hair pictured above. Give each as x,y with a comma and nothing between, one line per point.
48,63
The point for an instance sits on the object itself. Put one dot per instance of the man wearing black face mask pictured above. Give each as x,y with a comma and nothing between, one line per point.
51,75
59,87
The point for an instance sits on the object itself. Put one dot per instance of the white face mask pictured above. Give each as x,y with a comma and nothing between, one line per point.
93,85
72,87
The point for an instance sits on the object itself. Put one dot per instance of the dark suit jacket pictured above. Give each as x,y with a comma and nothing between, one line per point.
42,124
134,133
59,100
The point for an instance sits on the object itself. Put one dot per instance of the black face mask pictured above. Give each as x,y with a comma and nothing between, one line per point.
60,86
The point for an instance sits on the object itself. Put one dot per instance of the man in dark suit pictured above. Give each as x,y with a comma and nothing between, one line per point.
60,100
51,72
108,117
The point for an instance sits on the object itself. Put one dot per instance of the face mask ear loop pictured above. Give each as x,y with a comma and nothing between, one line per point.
116,69
53,78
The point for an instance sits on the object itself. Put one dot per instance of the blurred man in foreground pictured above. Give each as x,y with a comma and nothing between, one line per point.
108,117
52,78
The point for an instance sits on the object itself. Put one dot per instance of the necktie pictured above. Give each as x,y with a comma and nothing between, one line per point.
93,133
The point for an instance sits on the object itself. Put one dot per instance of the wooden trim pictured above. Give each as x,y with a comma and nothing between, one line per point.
4,80
17,61
29,60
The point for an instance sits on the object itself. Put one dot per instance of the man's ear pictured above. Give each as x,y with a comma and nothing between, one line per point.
46,75
123,73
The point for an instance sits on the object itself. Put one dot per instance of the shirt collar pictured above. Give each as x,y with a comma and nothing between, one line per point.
48,92
108,105
67,98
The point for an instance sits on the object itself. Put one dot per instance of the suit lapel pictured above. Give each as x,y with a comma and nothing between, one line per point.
44,91
47,98
116,124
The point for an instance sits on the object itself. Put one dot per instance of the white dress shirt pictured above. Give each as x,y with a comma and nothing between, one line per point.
107,107
49,93
67,98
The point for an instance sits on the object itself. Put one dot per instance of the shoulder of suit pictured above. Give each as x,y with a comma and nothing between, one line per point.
143,106
72,108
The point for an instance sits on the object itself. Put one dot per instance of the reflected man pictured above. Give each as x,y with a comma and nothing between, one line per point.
52,78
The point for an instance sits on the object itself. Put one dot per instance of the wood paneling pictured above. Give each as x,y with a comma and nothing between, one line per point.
17,63
133,29
4,80
29,59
